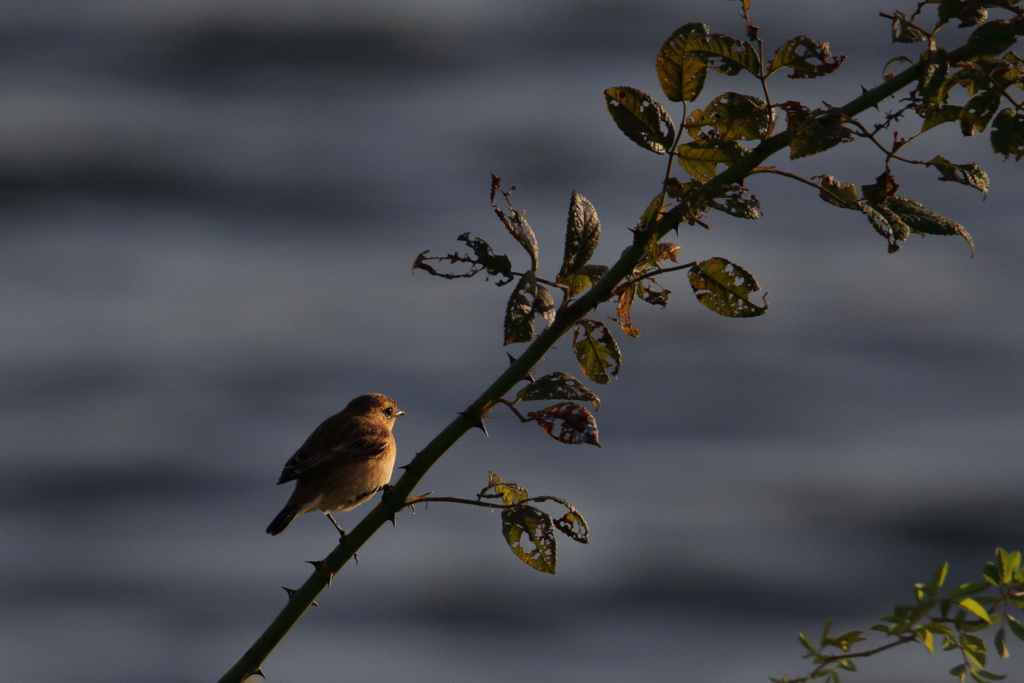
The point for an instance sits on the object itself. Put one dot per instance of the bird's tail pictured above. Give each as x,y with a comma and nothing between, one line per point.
283,519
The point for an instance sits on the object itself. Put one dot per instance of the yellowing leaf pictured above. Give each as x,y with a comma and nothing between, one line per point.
596,351
725,288
530,534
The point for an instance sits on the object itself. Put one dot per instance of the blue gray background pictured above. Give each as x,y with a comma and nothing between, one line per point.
209,210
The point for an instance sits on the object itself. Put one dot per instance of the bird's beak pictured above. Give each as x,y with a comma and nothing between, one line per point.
400,413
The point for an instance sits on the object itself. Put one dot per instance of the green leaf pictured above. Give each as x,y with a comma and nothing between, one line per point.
887,224
960,671
596,351
509,493
797,54
930,86
557,385
1009,563
1015,626
576,283
903,31
515,222
971,605
701,158
939,577
681,73
805,641
732,117
577,424
1000,643
643,120
519,311
531,536
728,55
978,111
927,639
843,195
967,589
582,234
725,288
935,116
983,676
992,39
920,219
965,174
1008,134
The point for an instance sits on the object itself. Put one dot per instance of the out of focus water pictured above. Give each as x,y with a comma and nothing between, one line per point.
209,210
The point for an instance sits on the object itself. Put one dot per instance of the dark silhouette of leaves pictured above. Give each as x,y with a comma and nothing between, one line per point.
920,219
483,259
798,53
965,174
701,158
1008,134
903,31
731,116
577,424
814,131
519,311
725,288
582,234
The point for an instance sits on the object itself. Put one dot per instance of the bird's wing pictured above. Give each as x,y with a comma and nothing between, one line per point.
327,447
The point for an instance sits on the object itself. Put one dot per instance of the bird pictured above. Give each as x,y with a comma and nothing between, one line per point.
346,460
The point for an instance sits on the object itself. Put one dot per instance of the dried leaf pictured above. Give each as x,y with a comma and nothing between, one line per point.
577,424
623,317
582,234
814,132
643,120
887,224
483,259
516,222
725,288
797,53
519,312
571,523
596,351
531,536
557,385
737,201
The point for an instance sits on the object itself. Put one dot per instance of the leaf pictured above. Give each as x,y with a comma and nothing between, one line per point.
978,111
887,224
515,223
1008,134
1015,626
519,312
596,351
967,589
680,73
843,195
725,288
483,259
927,639
813,132
531,536
1009,563
935,116
739,202
884,187
544,304
930,85
920,219
965,174
582,233
992,39
727,55
622,315
557,385
700,158
971,605
939,577
903,31
572,523
509,493
731,116
577,424
796,54
1000,643
643,120
576,283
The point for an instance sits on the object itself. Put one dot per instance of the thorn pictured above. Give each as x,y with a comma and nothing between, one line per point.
405,467
477,421
257,672
320,566
291,593
394,519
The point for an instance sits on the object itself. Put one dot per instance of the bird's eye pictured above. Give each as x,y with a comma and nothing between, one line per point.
388,411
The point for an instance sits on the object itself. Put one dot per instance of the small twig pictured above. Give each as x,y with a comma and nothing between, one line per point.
512,407
658,271
855,655
794,176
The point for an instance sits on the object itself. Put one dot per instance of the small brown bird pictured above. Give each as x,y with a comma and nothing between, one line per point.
346,460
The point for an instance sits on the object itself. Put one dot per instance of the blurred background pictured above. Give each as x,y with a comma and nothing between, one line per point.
209,212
